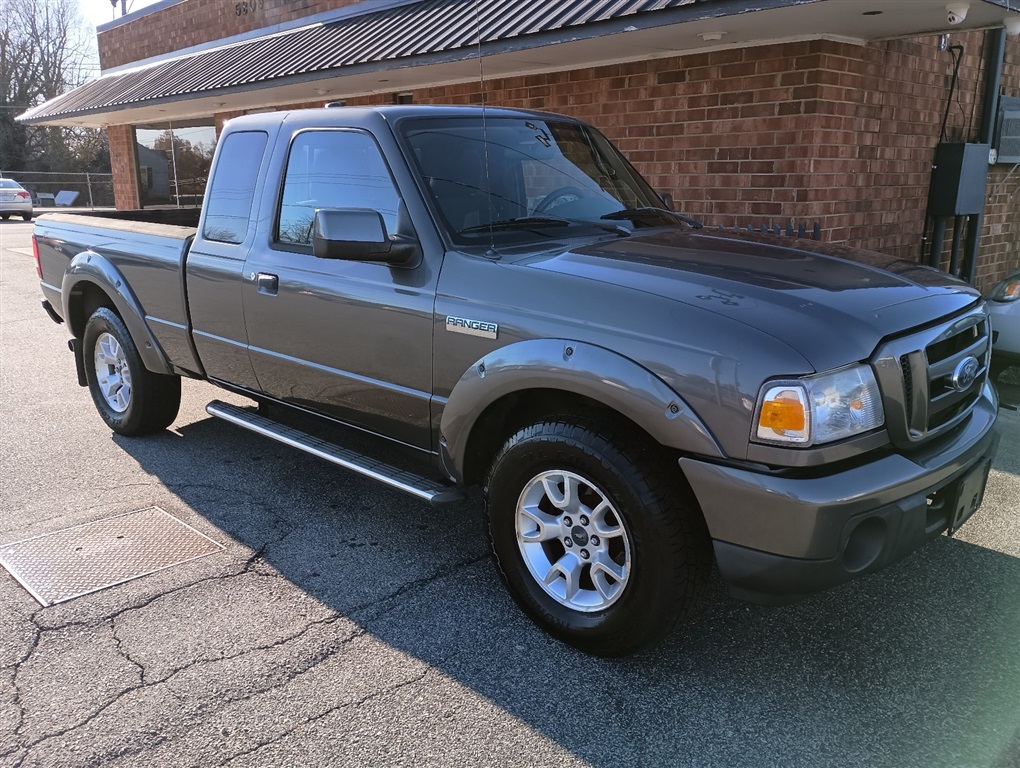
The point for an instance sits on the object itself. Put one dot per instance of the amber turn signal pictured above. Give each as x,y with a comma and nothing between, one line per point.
783,414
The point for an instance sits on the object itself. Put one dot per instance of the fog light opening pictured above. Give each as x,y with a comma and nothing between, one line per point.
864,544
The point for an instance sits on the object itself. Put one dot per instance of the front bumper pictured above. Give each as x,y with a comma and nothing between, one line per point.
778,538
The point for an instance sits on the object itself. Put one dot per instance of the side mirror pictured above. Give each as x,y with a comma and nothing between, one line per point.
667,200
359,234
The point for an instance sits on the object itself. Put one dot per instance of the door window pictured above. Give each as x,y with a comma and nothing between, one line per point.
333,169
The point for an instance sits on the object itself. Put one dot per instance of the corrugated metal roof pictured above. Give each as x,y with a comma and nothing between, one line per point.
396,35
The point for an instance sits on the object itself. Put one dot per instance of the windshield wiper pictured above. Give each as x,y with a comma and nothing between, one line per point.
534,222
636,213
523,222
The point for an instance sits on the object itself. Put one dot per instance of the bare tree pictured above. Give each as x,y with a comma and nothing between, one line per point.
45,50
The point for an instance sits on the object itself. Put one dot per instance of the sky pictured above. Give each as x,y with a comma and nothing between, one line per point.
98,12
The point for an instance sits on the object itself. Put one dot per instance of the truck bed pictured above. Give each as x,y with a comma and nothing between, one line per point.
134,251
178,217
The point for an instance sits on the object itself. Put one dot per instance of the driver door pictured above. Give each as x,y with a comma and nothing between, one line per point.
352,340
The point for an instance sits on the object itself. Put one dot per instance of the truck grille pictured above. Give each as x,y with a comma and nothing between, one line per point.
931,379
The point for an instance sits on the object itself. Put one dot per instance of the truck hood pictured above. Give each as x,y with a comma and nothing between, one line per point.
830,303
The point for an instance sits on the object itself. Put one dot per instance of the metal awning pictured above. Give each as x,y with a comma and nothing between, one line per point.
438,42
403,36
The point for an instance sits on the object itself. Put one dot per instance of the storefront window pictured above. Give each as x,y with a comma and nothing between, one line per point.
174,160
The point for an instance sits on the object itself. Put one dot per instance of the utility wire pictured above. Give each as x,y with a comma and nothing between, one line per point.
956,51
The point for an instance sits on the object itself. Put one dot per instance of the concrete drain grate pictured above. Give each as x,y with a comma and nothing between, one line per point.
59,566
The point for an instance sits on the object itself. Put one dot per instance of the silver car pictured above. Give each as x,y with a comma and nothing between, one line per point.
14,199
1004,306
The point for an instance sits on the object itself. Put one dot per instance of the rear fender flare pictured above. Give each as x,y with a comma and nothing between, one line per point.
569,366
91,268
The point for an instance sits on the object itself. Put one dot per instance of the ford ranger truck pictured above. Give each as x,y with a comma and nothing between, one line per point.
501,299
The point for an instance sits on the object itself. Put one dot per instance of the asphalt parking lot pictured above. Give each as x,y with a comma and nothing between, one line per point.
346,624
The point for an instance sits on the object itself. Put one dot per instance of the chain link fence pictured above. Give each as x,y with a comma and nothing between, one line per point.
51,189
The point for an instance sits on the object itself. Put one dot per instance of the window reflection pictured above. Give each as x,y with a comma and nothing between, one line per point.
174,161
333,169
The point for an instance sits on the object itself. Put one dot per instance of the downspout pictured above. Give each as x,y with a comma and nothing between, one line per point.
993,81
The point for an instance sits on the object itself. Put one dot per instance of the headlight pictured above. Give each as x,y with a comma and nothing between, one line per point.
1007,290
819,409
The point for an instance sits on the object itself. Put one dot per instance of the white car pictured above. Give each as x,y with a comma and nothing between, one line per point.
1004,306
14,199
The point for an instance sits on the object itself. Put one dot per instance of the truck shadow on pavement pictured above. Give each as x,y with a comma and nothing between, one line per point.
916,665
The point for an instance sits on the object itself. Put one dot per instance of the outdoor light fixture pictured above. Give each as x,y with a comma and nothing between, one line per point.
1012,24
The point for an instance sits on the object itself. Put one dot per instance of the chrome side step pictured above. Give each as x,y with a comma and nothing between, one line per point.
433,491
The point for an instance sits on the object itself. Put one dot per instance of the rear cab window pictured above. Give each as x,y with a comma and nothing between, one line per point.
236,177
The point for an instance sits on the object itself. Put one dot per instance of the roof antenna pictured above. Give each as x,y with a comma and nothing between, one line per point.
491,253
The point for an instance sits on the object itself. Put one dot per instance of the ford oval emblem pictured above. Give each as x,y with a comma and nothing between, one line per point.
965,374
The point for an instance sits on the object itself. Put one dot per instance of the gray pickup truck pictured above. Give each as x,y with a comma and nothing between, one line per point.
500,294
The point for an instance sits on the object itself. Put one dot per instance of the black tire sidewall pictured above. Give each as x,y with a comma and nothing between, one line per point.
104,320
637,618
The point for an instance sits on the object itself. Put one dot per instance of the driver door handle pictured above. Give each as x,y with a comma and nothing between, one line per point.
266,284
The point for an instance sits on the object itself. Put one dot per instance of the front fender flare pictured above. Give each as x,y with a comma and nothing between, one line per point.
91,268
584,369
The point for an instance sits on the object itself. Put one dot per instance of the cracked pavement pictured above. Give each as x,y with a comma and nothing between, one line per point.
346,624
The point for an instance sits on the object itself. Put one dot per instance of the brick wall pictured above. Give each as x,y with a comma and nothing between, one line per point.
802,132
1000,238
193,22
124,162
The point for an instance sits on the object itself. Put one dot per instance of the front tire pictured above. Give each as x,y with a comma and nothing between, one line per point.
596,535
131,399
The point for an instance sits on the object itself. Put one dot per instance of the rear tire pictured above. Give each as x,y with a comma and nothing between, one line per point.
26,216
5,216
131,399
596,535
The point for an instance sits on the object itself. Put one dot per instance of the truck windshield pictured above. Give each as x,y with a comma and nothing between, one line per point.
517,180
